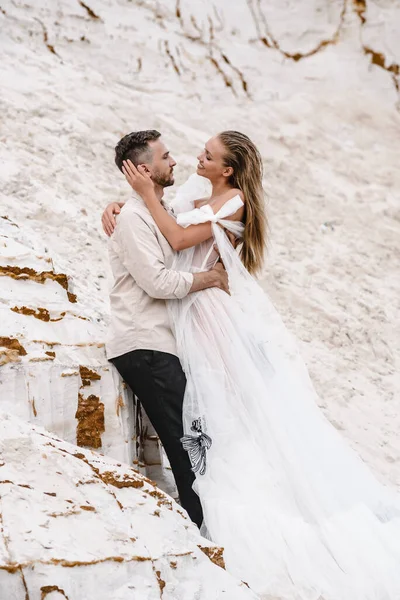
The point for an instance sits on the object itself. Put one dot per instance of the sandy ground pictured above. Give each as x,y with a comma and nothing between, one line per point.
299,79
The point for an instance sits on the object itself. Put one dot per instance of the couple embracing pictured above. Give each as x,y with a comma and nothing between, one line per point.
257,466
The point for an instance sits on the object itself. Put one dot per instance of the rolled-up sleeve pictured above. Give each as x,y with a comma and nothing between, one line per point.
144,259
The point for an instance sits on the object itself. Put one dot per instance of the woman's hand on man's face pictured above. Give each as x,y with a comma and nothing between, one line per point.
140,181
138,178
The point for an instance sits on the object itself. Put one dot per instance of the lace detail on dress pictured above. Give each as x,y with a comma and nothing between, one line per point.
197,446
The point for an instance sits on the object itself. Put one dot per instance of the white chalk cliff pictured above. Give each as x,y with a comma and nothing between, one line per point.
54,371
316,85
79,526
53,366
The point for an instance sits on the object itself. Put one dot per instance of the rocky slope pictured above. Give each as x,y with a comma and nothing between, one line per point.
314,83
75,525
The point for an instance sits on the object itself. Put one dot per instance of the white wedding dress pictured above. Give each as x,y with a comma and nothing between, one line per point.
299,514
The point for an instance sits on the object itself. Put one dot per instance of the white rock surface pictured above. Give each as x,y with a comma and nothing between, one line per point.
53,367
314,83
80,526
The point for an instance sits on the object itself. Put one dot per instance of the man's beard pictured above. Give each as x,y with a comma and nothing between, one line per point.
163,180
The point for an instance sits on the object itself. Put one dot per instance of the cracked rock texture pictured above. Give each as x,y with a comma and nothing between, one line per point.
315,83
53,368
80,526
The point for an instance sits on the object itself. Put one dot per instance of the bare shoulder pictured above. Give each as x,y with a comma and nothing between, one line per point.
201,202
235,192
229,195
218,202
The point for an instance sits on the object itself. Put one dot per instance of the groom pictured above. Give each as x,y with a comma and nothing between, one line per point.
141,344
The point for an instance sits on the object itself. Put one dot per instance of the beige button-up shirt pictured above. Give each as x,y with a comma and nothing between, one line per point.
141,259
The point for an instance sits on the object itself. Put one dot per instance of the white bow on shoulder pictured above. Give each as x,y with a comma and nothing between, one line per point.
205,214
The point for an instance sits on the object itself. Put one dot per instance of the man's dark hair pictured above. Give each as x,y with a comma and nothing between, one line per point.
134,146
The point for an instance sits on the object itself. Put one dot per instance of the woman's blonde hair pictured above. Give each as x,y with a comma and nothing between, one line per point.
245,160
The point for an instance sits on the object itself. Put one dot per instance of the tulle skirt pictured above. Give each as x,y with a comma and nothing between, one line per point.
298,512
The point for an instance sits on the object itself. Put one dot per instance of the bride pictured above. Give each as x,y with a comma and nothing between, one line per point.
299,514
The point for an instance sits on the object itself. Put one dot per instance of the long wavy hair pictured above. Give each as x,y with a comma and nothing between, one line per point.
245,160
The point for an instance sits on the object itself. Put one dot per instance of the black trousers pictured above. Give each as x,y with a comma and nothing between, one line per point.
159,382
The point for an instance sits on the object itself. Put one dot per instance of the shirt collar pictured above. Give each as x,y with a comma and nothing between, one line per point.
135,198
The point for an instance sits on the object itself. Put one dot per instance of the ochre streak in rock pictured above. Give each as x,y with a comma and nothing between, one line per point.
24,584
14,567
227,80
360,7
39,313
47,589
86,373
171,57
238,71
162,499
178,10
377,58
89,11
12,344
90,415
161,582
216,555
269,41
38,277
50,47
109,478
